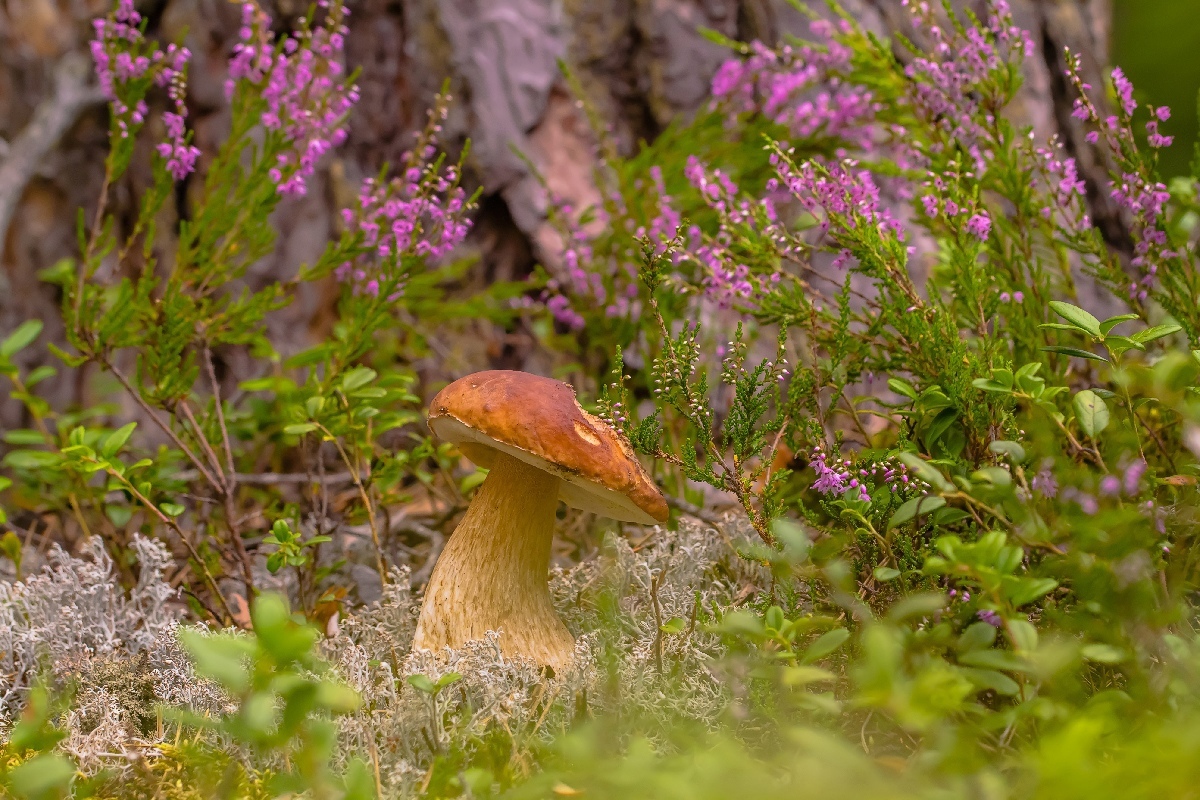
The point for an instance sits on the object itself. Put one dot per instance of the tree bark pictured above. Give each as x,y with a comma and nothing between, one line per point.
643,62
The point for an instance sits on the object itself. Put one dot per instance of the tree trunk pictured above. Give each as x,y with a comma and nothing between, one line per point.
643,62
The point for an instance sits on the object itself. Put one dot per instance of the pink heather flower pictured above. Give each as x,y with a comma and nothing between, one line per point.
830,480
990,617
801,87
304,85
1043,482
841,194
980,225
1133,186
1132,479
124,60
1124,90
1110,486
423,214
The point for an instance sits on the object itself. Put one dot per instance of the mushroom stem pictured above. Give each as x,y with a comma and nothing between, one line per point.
492,575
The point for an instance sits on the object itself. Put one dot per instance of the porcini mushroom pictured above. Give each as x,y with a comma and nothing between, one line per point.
540,447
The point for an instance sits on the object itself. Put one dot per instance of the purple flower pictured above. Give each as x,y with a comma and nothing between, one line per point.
123,63
830,479
1132,479
990,617
1044,483
423,214
980,225
304,85
1133,186
1110,486
1124,90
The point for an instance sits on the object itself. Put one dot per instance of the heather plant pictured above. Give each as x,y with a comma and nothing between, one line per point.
931,438
153,311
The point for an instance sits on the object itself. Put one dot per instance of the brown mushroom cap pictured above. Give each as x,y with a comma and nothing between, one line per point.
539,421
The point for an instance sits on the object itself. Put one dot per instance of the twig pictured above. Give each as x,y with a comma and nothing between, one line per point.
164,427
277,478
170,523
205,447
51,120
231,476
693,510
362,492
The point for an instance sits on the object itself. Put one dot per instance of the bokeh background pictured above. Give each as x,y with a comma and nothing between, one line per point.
644,64
1157,43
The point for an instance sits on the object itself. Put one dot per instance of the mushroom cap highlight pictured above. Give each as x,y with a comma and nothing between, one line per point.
539,421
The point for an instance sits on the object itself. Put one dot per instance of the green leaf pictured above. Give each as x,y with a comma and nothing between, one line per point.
1157,332
804,675
24,436
172,509
1076,352
305,358
996,476
221,657
119,515
993,659
113,443
1091,412
21,338
902,387
924,504
10,547
992,679
300,428
1077,317
926,471
989,385
1024,635
1113,322
825,644
422,684
357,378
977,636
1011,450
448,679
39,374
46,775
885,573
1103,653
1030,589
945,418
1120,344
31,459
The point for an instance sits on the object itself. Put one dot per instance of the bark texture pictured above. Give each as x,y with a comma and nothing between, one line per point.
643,62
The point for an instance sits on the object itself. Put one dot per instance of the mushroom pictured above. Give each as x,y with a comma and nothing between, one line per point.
540,446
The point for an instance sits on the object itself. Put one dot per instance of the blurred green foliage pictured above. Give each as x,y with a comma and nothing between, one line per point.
1157,43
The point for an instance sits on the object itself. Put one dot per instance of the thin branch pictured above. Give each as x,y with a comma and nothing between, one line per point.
277,478
231,476
213,461
51,120
170,523
164,427
693,511
362,492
